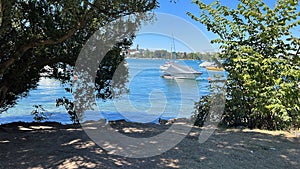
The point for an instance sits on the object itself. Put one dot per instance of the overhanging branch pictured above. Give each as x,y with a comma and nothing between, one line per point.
24,48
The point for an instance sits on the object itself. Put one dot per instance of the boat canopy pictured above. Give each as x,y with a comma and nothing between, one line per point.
179,69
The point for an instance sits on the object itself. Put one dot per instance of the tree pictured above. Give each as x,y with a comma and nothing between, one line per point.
262,60
36,33
160,54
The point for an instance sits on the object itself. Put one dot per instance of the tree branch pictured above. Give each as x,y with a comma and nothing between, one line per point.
298,50
23,49
1,13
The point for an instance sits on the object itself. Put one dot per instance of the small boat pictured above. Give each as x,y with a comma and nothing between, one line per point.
165,66
214,68
178,71
204,64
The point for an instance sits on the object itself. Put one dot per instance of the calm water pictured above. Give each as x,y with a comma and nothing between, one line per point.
150,97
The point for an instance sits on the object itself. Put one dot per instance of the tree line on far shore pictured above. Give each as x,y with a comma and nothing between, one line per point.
164,54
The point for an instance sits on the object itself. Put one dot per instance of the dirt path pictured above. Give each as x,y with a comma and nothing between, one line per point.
51,145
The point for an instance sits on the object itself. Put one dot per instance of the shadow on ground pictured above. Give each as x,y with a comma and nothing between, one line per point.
52,145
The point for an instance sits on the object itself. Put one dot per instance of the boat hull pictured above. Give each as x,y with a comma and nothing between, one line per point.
214,68
182,76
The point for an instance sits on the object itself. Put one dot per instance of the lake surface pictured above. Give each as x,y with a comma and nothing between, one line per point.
150,97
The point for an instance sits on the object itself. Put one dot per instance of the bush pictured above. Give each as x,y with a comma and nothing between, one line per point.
38,113
262,60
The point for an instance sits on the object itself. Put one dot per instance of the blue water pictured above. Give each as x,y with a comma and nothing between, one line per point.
150,97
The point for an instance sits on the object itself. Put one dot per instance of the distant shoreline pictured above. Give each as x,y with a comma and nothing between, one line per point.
162,59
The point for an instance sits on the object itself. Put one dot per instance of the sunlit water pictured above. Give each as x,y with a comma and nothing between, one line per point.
150,97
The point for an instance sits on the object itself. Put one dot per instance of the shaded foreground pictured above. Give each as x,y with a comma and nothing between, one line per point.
52,145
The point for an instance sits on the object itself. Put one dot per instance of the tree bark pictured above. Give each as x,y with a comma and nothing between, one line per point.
1,13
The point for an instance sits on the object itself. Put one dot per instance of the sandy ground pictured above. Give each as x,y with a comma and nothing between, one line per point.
52,145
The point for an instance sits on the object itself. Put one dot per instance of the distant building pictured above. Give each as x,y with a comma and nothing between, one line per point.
133,52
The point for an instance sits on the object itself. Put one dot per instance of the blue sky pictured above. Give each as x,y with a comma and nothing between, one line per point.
178,29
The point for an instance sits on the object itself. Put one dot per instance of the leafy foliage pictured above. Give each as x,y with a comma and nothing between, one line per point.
201,110
39,33
262,61
104,86
69,106
209,109
39,113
